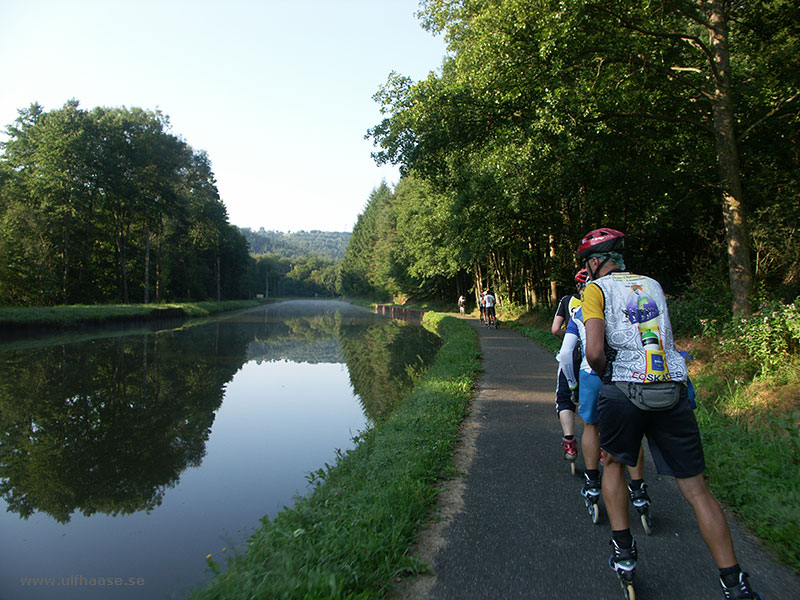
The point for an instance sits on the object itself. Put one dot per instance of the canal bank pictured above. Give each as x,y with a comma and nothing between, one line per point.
350,537
46,318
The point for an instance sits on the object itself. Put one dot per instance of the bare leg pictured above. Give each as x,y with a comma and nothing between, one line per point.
637,472
590,445
615,493
710,519
567,419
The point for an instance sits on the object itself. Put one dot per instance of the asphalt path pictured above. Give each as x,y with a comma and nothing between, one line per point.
520,529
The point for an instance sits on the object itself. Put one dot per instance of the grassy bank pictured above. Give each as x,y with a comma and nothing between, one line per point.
69,316
747,376
350,537
747,372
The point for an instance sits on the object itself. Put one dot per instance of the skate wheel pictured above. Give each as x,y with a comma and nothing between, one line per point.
627,588
594,512
646,525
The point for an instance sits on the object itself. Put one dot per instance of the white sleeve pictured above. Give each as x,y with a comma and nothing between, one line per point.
564,359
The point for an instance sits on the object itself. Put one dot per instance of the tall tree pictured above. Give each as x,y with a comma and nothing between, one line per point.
630,101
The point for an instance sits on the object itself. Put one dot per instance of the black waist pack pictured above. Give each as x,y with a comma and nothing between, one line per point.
651,396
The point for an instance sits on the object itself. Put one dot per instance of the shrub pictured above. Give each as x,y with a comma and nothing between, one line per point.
764,343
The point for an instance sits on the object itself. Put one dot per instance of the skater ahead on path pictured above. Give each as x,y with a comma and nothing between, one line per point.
589,383
491,317
565,402
629,342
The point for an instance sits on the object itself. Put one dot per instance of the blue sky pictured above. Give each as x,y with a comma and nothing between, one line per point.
278,93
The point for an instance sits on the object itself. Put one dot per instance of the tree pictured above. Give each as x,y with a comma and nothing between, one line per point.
557,117
91,200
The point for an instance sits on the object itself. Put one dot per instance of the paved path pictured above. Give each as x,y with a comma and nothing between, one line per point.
519,528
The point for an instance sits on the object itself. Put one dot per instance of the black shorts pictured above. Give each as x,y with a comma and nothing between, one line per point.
490,310
673,435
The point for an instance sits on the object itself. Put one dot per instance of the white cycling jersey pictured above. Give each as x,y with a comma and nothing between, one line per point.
638,329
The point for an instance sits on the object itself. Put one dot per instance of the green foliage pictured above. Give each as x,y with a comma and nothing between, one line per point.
298,244
107,205
751,464
350,538
361,271
550,119
67,316
765,343
704,305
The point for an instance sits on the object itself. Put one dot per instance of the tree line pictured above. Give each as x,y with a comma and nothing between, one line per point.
324,244
109,206
676,122
106,205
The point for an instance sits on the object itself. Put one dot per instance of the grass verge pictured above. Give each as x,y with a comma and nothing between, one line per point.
67,316
751,438
535,326
351,536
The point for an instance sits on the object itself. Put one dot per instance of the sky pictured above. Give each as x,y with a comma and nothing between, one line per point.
278,93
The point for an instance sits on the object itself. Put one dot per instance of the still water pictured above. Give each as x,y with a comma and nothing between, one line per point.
125,460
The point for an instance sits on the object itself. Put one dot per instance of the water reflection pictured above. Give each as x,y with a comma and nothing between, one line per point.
110,426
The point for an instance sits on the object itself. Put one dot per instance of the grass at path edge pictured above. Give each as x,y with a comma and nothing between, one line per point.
350,537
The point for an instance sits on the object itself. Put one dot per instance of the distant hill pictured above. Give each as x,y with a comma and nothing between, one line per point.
327,244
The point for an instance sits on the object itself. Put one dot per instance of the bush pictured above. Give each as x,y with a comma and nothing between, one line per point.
510,311
764,343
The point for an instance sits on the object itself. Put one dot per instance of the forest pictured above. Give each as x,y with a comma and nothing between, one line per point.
109,206
324,244
675,122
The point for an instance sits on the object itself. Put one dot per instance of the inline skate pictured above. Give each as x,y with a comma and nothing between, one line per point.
623,561
641,502
570,448
591,497
741,590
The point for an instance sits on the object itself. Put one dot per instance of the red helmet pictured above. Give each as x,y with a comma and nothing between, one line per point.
581,276
600,241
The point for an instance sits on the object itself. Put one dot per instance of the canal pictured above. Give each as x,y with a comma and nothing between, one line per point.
127,458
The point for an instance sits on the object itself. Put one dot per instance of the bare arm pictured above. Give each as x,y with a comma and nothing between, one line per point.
555,328
595,345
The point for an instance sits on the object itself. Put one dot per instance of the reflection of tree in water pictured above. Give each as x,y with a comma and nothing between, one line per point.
385,360
302,340
384,357
109,425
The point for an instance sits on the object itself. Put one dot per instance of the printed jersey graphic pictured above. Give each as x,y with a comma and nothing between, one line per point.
574,304
638,329
642,311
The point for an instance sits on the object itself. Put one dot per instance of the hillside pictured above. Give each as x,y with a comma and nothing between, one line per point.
326,244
